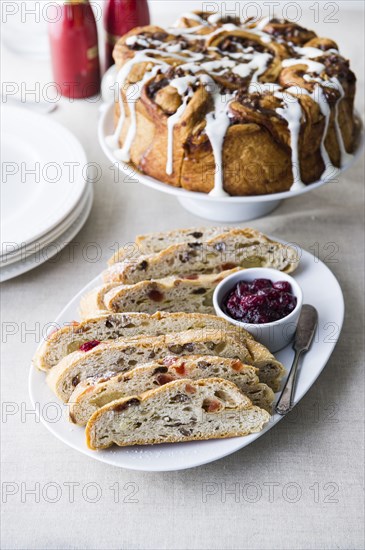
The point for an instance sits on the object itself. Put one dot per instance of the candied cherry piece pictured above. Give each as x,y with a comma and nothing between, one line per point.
87,346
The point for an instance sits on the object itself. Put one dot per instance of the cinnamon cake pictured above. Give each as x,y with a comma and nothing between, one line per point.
230,107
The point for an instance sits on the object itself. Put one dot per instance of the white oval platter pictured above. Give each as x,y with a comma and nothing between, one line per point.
320,288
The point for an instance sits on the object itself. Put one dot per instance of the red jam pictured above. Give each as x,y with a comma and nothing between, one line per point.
89,345
260,301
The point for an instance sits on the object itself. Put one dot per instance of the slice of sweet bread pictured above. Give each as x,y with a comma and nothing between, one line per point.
238,248
172,294
88,397
151,243
109,358
126,325
92,303
183,410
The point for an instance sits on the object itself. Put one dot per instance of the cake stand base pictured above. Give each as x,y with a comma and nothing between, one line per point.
230,213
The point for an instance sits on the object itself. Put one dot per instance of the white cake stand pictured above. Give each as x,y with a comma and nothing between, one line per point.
226,209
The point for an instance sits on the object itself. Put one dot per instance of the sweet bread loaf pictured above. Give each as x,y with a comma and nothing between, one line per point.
88,397
238,248
183,410
171,294
92,303
233,107
156,242
109,358
121,325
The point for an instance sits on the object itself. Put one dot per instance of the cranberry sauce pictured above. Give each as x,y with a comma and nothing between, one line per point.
259,301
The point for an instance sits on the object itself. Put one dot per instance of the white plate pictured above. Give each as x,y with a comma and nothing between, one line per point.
224,209
12,254
31,262
32,204
320,288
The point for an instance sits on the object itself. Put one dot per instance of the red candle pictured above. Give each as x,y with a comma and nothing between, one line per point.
120,16
74,50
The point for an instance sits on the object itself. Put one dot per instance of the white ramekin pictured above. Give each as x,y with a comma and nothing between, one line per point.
275,335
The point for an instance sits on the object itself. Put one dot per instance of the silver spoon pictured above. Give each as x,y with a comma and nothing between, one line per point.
306,329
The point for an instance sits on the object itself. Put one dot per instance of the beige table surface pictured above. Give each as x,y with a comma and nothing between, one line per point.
315,453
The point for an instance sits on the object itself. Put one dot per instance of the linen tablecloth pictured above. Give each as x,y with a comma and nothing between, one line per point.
298,487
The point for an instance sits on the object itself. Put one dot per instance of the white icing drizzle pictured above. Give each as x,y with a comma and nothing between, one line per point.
292,113
229,27
264,36
172,120
214,66
257,64
183,83
308,54
194,17
346,157
172,48
217,123
262,23
311,53
313,66
135,92
182,86
319,97
214,18
263,87
141,41
113,140
188,34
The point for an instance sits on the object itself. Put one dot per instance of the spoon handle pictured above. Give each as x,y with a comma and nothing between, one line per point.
285,403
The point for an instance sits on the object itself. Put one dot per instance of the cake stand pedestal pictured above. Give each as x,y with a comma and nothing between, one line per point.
228,213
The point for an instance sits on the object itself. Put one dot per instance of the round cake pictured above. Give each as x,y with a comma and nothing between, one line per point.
226,107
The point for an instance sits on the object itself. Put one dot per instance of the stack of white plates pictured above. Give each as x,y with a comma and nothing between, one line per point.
45,196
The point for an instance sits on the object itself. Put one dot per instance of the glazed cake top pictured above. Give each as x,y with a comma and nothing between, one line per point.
250,69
